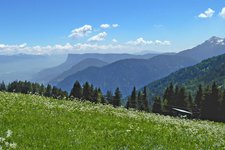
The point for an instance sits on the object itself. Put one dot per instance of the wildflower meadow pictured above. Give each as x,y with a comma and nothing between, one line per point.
35,122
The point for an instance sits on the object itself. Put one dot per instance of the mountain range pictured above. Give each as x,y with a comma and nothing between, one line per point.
128,73
47,75
89,62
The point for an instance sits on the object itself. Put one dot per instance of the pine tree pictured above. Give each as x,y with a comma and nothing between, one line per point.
145,99
55,92
215,102
101,98
86,91
157,106
210,105
2,86
95,97
140,105
133,99
48,92
197,105
117,98
42,90
175,97
91,90
199,98
190,104
205,106
181,98
169,94
168,99
76,91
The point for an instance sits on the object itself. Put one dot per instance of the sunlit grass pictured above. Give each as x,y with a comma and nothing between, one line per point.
43,123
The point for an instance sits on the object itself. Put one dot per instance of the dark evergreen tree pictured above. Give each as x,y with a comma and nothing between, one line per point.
76,91
190,103
211,104
133,99
181,102
55,92
168,99
86,91
205,107
140,104
91,96
175,96
215,102
42,89
199,98
169,95
48,91
2,86
117,98
101,98
145,99
95,97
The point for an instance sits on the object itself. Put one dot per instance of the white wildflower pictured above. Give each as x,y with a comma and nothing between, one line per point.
8,133
13,145
7,144
2,139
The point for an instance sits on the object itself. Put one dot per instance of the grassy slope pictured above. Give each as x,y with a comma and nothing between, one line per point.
41,123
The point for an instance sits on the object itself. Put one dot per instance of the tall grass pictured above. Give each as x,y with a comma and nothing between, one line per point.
43,123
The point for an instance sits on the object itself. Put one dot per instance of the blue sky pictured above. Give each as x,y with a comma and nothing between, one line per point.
38,26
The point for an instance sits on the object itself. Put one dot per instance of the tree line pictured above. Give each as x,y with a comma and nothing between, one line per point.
88,92
207,103
138,100
27,87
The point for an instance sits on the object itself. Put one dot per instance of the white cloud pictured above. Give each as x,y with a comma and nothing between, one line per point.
35,50
141,42
99,37
116,47
105,26
80,32
115,25
222,13
207,14
158,42
114,40
23,45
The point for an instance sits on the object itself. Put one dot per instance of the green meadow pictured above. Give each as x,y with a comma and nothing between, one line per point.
34,122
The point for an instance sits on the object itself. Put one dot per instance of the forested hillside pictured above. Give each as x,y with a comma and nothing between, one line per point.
212,69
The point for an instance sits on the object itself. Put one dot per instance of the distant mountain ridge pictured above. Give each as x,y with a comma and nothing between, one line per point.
89,62
137,72
213,47
49,74
128,73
